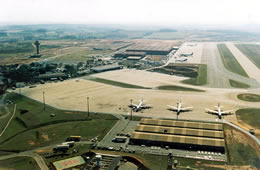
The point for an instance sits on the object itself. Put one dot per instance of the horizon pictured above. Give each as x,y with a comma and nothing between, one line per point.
198,14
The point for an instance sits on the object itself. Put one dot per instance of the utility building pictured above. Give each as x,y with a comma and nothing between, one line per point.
178,134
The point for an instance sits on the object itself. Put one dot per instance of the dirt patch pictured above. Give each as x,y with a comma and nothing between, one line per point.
45,137
68,112
43,150
230,167
31,142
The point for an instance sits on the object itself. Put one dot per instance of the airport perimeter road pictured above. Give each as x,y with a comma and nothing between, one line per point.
243,131
218,75
39,160
250,68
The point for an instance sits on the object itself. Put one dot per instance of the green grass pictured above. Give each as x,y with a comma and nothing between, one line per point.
249,97
201,79
58,133
252,51
250,116
237,84
21,127
116,83
241,151
177,88
230,61
19,163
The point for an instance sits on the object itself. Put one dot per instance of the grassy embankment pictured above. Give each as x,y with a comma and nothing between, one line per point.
38,128
116,83
249,97
19,163
237,84
125,85
201,79
241,150
230,61
178,88
250,116
252,51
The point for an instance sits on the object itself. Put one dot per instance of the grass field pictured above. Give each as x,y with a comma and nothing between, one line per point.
252,51
250,116
37,129
241,151
116,83
19,163
177,88
230,61
78,55
237,84
201,79
249,97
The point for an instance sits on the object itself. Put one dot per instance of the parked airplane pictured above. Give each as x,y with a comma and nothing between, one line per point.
218,112
181,59
140,106
179,108
186,54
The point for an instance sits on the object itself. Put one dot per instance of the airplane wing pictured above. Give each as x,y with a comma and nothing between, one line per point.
186,108
228,112
212,111
132,105
173,107
146,106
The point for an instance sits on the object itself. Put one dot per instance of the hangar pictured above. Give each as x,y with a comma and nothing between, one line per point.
180,134
104,68
126,54
151,50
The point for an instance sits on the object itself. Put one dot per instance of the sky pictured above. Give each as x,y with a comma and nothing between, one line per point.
156,12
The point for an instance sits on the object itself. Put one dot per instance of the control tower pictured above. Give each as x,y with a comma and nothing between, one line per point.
37,55
37,44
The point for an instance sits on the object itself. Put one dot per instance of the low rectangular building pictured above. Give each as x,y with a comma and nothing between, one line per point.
179,134
106,68
180,123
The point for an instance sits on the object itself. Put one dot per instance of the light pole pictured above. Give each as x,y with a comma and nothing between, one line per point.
43,97
131,109
88,105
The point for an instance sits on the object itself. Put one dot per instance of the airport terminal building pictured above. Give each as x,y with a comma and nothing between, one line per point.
179,134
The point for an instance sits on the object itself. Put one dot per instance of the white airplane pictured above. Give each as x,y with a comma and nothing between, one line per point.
179,108
218,112
186,54
140,106
183,59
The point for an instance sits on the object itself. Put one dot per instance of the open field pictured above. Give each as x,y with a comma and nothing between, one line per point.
237,84
250,68
249,97
250,118
252,51
19,163
230,61
240,147
72,95
115,83
201,78
140,77
37,128
177,88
